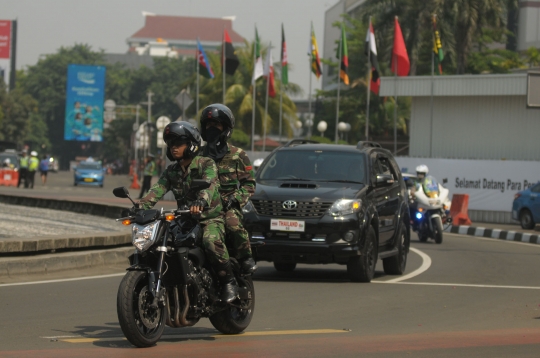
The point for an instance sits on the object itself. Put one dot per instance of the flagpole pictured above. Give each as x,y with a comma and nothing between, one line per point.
280,104
223,64
368,78
431,99
338,84
266,102
310,57
197,74
254,94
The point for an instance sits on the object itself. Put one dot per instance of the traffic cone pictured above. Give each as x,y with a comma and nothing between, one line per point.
135,182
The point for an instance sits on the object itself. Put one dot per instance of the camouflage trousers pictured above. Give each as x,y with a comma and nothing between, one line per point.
213,241
237,235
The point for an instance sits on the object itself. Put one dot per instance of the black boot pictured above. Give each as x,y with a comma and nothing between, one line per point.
229,287
248,265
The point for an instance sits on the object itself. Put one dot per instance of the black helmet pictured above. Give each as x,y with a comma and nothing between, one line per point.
220,113
184,131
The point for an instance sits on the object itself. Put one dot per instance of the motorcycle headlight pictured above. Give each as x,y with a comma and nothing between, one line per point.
248,208
345,207
143,236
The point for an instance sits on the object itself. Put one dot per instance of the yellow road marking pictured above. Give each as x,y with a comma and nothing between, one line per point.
275,333
80,340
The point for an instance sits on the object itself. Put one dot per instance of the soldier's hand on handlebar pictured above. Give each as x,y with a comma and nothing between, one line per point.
197,207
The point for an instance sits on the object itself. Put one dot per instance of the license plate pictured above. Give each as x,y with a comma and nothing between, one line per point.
287,225
88,180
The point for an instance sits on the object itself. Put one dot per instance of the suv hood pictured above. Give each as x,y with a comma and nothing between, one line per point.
324,191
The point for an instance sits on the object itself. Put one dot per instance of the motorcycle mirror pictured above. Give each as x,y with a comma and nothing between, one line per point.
121,192
444,181
198,184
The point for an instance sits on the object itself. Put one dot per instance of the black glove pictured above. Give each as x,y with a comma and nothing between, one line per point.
199,202
231,203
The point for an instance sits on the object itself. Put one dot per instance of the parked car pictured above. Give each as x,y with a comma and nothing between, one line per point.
88,173
526,207
322,203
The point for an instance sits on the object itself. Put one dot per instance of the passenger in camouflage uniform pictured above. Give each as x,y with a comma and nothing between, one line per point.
183,142
235,176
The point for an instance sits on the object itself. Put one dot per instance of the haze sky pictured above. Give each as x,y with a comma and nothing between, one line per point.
46,25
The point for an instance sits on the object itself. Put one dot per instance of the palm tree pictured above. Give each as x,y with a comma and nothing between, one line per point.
239,94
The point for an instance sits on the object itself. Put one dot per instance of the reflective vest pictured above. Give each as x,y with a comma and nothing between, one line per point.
34,162
24,162
150,168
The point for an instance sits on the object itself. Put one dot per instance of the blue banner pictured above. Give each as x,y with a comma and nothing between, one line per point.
85,94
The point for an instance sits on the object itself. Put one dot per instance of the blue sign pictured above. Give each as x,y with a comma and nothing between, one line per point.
85,94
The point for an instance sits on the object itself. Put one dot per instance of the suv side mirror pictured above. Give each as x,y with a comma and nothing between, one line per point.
384,180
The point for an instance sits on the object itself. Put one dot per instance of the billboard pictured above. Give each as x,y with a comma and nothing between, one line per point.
5,49
85,95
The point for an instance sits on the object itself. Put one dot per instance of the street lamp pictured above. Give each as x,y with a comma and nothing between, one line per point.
321,127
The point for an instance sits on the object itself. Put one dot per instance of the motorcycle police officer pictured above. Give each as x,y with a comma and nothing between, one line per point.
183,142
235,176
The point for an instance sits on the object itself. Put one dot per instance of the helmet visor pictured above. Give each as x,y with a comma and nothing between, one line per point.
176,141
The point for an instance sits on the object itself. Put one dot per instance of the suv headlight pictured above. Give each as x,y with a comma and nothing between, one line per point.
248,208
143,236
345,207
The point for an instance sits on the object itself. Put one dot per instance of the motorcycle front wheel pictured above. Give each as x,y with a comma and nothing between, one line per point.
141,324
438,228
237,316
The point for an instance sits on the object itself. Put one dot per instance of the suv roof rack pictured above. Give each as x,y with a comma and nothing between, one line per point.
367,144
294,142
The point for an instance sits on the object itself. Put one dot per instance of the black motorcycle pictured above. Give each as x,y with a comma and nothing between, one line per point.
170,281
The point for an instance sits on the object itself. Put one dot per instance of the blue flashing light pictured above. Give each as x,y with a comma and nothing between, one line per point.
419,215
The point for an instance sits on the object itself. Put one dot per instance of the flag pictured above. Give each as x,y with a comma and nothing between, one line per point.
371,51
284,64
313,51
400,59
269,74
437,47
204,65
343,54
231,60
258,68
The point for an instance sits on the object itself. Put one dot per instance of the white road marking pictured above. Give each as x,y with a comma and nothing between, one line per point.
426,263
61,280
459,285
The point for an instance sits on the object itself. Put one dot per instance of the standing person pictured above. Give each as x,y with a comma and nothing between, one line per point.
237,183
23,170
183,142
33,164
44,169
148,172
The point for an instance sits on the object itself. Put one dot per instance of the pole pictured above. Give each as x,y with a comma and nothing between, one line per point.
223,64
338,87
253,97
395,105
368,78
13,69
266,102
280,106
310,57
147,145
197,74
431,99
136,146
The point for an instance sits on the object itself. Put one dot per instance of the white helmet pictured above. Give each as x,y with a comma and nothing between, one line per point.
33,153
422,169
7,161
257,163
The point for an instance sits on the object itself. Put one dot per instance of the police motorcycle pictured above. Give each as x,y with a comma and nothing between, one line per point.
430,208
169,282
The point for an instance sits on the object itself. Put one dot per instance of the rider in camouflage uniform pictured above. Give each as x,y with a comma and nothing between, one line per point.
183,142
235,176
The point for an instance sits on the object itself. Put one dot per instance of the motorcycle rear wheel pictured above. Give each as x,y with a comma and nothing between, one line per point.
142,325
237,316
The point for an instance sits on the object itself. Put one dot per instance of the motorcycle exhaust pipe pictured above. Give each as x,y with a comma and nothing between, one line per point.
183,319
168,320
176,321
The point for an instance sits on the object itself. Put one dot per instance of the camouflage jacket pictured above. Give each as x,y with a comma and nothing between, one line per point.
236,175
176,180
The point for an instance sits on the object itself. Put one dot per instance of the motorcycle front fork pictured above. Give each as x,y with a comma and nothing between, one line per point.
155,277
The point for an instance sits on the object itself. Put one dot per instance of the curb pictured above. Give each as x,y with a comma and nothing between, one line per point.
43,264
495,234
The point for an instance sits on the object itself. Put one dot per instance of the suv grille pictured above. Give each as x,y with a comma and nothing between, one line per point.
306,209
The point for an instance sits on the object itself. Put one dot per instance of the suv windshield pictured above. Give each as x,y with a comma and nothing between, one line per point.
91,166
318,165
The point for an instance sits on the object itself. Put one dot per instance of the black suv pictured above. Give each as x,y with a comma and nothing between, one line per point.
321,203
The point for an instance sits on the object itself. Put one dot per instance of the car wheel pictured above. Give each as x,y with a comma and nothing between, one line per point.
395,265
285,266
526,219
362,268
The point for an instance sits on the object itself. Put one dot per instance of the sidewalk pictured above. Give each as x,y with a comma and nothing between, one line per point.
498,231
